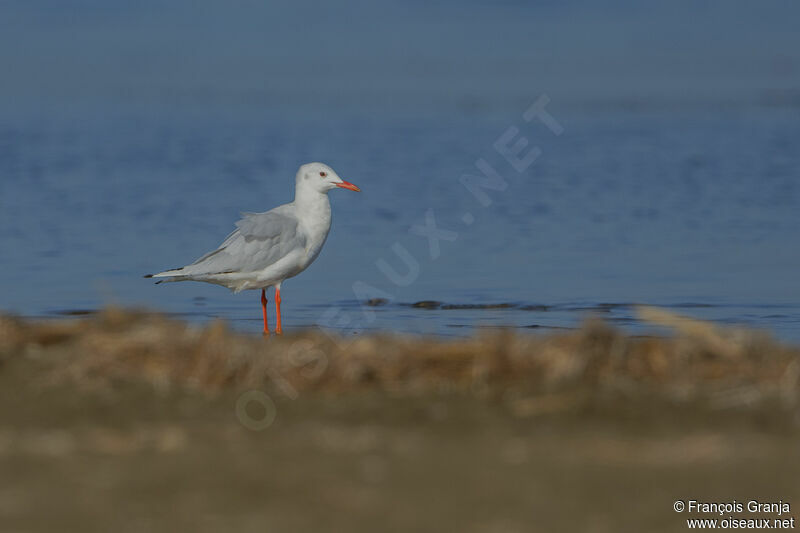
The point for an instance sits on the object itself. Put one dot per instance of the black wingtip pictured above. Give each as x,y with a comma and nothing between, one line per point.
159,282
148,276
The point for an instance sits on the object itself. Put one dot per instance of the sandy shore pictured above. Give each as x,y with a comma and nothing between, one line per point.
131,421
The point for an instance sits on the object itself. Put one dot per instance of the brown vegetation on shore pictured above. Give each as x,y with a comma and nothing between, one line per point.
724,367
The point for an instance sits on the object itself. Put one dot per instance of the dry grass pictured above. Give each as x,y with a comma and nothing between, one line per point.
724,367
389,433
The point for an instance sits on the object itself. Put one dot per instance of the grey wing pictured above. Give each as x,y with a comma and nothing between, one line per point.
260,239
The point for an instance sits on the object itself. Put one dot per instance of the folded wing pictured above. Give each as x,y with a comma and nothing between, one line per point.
260,239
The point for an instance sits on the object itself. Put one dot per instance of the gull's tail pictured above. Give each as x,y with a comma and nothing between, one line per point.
174,274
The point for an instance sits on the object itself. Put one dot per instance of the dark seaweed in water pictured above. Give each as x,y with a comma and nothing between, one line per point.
427,304
433,304
479,306
76,312
536,307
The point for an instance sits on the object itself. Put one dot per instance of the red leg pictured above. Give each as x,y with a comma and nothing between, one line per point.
264,310
278,310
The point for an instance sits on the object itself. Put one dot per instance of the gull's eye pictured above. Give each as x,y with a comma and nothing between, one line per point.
323,174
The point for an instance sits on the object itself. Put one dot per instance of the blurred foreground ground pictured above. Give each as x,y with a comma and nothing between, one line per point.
134,422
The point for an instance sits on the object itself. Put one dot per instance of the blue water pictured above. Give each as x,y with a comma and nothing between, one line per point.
131,138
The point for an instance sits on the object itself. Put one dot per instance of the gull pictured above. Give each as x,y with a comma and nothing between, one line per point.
268,248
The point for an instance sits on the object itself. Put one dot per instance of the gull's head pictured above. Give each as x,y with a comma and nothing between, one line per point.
321,178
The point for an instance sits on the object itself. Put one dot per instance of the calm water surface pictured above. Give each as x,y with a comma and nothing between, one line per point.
133,134
692,209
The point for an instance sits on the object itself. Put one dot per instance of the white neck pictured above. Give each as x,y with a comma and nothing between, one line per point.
308,200
313,209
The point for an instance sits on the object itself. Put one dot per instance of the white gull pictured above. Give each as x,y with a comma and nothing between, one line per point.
267,248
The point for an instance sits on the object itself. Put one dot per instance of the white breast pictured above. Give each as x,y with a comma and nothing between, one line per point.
316,225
